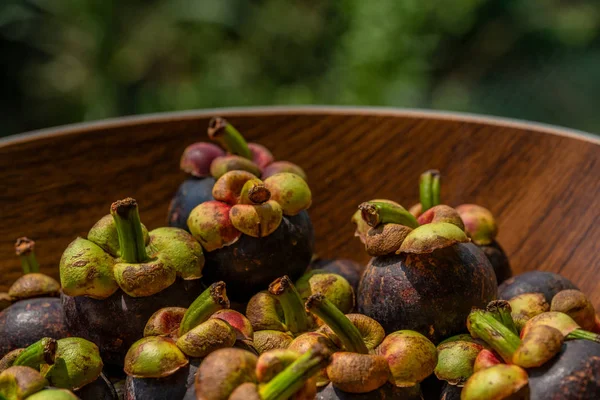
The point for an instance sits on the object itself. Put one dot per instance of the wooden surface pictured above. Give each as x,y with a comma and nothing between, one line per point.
542,184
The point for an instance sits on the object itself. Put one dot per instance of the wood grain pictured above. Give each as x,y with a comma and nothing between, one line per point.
542,185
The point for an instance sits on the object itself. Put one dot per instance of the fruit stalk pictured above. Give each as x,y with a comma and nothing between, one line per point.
24,248
379,212
129,228
349,335
429,189
220,130
41,352
296,318
210,301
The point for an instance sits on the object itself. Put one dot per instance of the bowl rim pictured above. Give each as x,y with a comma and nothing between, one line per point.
111,123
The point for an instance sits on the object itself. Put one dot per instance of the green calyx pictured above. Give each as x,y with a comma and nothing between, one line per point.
207,337
294,376
411,357
295,316
154,357
41,352
456,359
165,322
429,189
498,382
483,325
565,324
290,191
528,305
347,333
120,253
541,344
335,287
230,138
210,301
430,237
221,165
53,394
265,313
479,222
19,382
33,284
24,248
379,212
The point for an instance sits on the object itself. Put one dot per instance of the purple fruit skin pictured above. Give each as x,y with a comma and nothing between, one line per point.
179,386
544,282
572,375
429,293
386,392
499,261
190,193
349,269
27,321
100,389
251,264
115,323
450,392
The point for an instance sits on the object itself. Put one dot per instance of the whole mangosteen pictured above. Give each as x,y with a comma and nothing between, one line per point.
425,275
114,280
545,282
254,231
206,162
36,310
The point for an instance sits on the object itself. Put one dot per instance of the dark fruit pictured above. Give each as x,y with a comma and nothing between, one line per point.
450,392
250,264
428,293
573,375
190,193
547,283
172,387
27,321
97,320
498,259
349,269
100,389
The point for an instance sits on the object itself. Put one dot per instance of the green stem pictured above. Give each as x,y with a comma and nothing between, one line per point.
349,335
209,302
24,249
295,375
41,352
377,212
501,310
129,228
583,334
490,330
222,131
429,189
296,318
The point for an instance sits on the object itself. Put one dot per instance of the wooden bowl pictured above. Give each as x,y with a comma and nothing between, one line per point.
541,182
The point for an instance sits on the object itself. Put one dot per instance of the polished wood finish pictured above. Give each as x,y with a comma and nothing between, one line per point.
543,184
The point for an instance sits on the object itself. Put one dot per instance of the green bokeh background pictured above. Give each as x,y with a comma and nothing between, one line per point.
67,61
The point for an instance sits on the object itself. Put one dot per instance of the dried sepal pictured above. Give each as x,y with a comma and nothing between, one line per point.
33,285
385,239
576,305
145,278
358,373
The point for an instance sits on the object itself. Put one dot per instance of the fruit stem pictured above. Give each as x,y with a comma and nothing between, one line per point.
429,189
484,326
349,335
129,228
583,334
295,375
501,310
41,352
254,192
220,130
209,302
296,318
24,249
377,212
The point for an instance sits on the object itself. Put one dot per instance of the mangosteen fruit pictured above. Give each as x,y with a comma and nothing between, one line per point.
114,280
254,231
547,283
35,311
206,162
450,392
425,275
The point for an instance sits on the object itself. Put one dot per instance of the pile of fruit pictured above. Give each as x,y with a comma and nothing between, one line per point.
229,301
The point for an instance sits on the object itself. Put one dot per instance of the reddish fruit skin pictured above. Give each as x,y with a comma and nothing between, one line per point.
27,321
547,283
190,193
349,269
115,323
499,261
251,264
385,392
428,293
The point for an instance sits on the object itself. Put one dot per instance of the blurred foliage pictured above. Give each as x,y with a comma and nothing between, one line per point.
75,60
